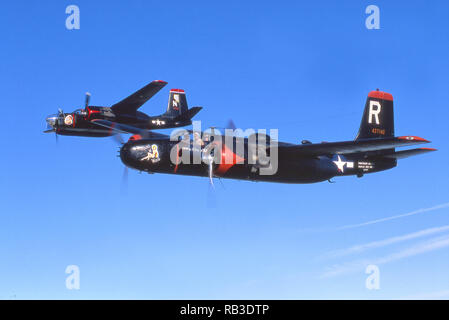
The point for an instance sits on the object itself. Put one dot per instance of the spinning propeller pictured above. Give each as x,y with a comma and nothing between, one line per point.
209,157
118,138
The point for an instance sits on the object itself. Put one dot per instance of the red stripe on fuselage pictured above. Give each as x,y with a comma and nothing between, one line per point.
90,111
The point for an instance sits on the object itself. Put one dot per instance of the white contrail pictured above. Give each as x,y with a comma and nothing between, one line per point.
423,247
440,206
382,243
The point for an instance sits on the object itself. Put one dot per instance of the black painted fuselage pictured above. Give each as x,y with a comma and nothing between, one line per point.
164,156
82,122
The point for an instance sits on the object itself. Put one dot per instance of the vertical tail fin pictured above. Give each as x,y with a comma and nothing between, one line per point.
378,117
177,103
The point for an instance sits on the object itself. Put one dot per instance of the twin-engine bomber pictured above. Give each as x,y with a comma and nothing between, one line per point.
258,157
82,122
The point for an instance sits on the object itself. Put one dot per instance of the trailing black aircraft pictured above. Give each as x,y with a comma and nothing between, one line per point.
259,158
81,122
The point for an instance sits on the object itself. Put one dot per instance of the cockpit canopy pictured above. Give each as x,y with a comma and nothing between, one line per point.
81,112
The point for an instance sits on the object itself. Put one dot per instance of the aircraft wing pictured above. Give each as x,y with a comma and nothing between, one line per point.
124,128
137,99
408,153
347,147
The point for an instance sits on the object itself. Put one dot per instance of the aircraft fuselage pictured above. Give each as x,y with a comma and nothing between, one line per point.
164,156
79,123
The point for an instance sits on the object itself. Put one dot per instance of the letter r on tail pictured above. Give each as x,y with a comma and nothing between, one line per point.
374,110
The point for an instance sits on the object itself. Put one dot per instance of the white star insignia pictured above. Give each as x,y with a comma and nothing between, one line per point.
340,164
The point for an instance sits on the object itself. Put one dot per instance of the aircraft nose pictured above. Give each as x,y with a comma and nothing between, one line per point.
52,123
125,154
51,120
130,154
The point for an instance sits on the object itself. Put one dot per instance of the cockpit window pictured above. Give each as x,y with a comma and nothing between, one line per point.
80,111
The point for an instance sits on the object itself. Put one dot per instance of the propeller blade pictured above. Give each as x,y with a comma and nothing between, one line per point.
86,104
220,130
211,173
124,185
118,138
208,158
49,128
231,125
211,193
211,197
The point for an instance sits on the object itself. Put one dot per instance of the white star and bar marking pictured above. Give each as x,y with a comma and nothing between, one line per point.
341,164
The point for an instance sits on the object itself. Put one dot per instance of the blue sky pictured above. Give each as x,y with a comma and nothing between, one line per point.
304,68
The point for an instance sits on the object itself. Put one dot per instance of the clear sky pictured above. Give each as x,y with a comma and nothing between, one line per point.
302,67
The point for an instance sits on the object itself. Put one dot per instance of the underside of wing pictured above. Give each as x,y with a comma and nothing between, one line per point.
125,129
408,153
130,104
348,147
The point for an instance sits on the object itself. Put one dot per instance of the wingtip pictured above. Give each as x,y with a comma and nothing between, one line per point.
429,149
160,81
414,138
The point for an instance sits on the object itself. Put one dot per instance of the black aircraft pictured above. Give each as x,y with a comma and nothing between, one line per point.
83,122
372,150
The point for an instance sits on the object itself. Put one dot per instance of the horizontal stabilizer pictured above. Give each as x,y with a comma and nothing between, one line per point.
190,113
348,147
408,153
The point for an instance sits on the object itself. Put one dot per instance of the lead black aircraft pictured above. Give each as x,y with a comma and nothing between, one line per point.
82,122
373,150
